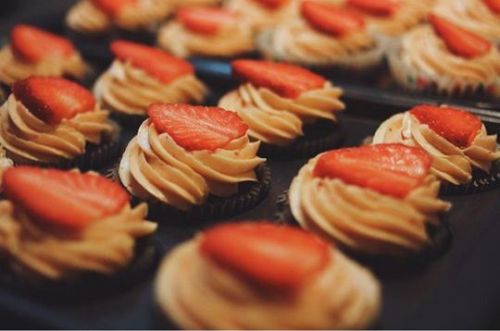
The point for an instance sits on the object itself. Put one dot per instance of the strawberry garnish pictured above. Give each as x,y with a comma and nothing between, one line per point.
455,125
272,4
206,20
271,255
197,127
154,61
330,18
113,8
493,5
459,41
33,44
63,198
375,7
53,99
284,79
391,169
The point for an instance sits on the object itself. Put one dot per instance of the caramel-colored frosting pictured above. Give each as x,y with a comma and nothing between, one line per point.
27,137
432,61
260,16
276,120
127,89
178,3
13,69
296,41
473,15
363,219
86,18
104,247
449,162
227,42
154,166
196,293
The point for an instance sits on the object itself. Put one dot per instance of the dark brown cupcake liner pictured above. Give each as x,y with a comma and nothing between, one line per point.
317,138
481,181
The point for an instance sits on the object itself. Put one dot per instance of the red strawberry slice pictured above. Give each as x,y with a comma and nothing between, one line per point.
272,4
63,198
331,19
391,169
154,61
53,99
33,44
113,8
269,254
286,80
458,40
455,125
197,127
206,20
375,7
494,5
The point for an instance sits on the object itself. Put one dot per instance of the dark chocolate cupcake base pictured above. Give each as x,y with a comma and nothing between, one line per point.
480,182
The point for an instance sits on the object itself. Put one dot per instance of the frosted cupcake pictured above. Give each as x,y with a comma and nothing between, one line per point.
376,199
264,13
206,31
456,140
33,52
141,75
448,60
281,277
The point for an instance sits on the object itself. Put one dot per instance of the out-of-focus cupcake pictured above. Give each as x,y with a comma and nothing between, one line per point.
35,52
291,110
141,75
324,34
53,121
264,13
264,276
180,3
206,31
445,58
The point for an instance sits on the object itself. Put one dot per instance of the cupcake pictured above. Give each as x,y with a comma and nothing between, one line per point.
479,16
448,60
193,162
455,139
141,75
374,199
206,31
62,229
324,34
33,52
264,13
50,121
286,107
264,276
179,3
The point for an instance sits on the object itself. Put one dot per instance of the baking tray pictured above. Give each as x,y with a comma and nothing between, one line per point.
459,289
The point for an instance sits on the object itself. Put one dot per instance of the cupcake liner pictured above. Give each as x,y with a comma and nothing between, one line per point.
318,137
249,195
88,285
481,181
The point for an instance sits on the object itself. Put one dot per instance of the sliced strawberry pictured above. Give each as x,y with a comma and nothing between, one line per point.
269,254
33,44
197,127
494,5
458,40
391,169
331,19
53,99
455,125
375,7
113,8
63,198
284,79
206,20
154,61
272,4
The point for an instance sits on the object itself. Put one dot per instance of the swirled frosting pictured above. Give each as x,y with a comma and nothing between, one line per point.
27,137
13,69
103,247
260,16
432,62
276,120
449,162
127,89
198,294
86,18
364,219
472,15
154,166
